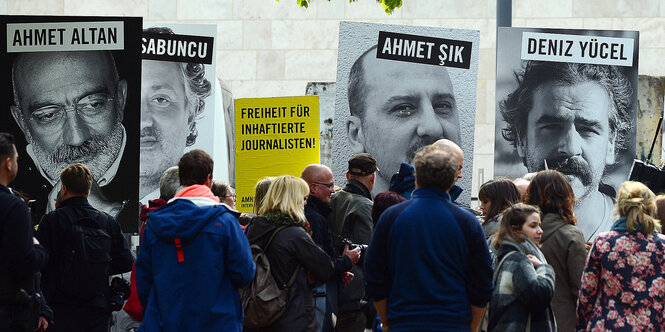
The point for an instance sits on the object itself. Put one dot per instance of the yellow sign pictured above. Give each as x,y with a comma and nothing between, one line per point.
274,136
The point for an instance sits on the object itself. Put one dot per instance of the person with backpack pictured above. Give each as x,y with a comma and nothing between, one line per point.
85,246
193,258
283,235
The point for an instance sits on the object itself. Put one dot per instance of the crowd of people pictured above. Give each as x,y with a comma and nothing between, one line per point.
312,256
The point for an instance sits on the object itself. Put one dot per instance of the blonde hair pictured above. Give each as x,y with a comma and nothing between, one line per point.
260,190
637,203
286,194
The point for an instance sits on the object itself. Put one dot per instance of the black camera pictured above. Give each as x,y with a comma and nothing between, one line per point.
120,290
363,247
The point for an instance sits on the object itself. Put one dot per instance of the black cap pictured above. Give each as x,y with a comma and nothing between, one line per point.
362,164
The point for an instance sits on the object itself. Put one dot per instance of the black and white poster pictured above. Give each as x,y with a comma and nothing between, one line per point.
567,100
177,98
326,93
400,88
72,94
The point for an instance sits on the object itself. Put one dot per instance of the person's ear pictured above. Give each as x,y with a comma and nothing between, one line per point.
610,157
208,181
355,135
22,122
348,175
6,164
122,98
373,177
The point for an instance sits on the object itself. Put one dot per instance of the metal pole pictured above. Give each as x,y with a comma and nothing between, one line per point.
504,13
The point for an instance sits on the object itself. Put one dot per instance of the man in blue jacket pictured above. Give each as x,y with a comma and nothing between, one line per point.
428,267
193,258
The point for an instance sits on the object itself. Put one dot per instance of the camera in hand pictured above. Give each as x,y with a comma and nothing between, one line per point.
120,290
363,247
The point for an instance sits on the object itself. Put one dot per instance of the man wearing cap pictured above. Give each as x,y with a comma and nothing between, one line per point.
351,218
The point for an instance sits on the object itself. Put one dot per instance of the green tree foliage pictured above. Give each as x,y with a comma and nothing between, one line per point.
388,5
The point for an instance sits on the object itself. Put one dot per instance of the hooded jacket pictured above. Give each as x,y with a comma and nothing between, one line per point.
292,248
193,287
133,307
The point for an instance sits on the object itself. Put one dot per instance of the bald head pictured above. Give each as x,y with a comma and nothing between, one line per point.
42,67
320,180
454,149
522,185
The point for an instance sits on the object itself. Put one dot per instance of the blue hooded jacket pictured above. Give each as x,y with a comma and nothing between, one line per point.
200,293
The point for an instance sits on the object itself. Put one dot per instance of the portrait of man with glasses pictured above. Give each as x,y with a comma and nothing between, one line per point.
70,107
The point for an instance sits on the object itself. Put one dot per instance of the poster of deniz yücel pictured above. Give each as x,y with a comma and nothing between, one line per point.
177,98
567,100
71,94
400,88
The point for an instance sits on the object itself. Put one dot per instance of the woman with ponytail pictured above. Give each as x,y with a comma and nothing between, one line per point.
623,285
562,243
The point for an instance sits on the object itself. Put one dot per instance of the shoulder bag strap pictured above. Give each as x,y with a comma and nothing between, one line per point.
498,266
272,237
293,277
295,273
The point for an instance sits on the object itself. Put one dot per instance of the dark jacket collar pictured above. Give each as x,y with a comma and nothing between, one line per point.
75,201
430,193
454,192
355,187
5,189
321,208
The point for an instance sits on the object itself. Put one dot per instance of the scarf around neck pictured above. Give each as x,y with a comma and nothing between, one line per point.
526,247
620,225
279,218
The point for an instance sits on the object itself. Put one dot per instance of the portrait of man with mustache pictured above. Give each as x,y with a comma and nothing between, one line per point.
574,118
397,108
70,106
173,98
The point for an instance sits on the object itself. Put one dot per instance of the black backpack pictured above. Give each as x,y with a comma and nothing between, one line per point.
87,260
262,300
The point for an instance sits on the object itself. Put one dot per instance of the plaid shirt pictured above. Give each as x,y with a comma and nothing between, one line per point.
520,291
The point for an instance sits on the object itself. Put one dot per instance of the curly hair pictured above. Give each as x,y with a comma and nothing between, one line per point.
435,167
197,87
551,192
536,73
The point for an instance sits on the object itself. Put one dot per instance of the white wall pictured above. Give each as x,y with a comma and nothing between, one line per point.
268,48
